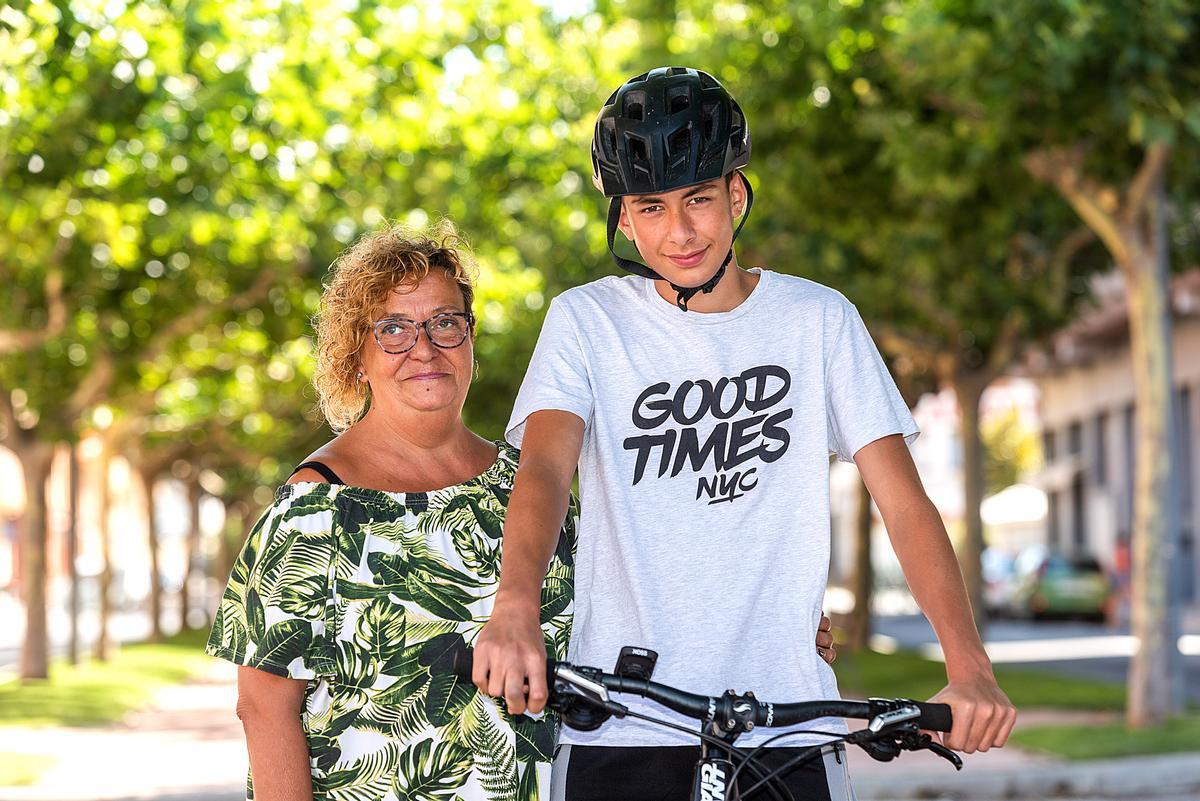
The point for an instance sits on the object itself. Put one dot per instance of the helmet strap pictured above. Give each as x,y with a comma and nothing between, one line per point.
628,265
683,293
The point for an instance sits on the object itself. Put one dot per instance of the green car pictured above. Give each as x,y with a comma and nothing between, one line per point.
1048,584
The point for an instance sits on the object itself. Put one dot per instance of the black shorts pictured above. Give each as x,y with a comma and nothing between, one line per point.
665,773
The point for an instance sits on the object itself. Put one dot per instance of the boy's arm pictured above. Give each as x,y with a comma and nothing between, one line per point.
510,651
983,715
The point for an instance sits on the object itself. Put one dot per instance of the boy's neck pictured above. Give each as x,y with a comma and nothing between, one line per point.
733,288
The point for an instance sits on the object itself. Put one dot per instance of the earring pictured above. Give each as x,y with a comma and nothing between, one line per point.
358,376
475,372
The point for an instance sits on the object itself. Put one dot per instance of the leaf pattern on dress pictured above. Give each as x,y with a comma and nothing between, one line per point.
368,595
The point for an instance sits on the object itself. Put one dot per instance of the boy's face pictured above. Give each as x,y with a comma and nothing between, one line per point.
684,234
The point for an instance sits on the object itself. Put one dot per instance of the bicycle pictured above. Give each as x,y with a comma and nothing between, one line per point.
580,694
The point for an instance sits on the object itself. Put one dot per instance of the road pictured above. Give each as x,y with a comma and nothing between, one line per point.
1086,650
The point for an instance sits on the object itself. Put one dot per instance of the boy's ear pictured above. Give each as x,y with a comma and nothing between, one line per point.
623,223
737,195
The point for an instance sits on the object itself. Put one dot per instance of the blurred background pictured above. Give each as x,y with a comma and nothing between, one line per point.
1009,192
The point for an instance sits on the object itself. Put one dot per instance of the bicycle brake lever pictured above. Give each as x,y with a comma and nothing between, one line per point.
945,753
879,749
585,685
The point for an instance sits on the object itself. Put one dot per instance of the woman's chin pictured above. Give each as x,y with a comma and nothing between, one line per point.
431,399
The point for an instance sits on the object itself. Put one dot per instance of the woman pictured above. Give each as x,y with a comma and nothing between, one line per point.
378,560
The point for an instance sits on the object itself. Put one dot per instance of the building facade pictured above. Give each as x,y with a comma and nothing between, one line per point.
1089,431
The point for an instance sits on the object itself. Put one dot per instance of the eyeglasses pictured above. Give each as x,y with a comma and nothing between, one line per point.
447,330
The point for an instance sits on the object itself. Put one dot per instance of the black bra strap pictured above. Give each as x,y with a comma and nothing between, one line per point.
322,468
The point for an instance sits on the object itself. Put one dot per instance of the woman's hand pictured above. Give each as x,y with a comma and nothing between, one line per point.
825,647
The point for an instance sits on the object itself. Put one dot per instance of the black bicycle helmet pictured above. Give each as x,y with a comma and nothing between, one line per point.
663,130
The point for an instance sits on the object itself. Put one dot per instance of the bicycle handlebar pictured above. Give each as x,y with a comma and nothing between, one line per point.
934,717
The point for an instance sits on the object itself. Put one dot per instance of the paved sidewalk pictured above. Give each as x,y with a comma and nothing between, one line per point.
1010,773
187,747
1143,778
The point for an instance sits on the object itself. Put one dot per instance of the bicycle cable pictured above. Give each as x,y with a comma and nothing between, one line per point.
804,756
759,771
759,749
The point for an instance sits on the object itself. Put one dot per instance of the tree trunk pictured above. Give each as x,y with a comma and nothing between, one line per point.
863,583
1135,235
1155,674
192,551
35,460
73,552
148,476
969,389
102,650
232,535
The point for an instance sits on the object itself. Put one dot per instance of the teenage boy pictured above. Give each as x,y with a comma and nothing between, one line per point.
700,403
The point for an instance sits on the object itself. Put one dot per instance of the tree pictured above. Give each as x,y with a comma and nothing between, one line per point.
93,154
931,227
1101,102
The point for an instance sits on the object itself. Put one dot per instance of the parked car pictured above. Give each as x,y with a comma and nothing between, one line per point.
1049,584
999,581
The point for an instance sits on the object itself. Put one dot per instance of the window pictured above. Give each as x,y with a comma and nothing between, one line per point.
1078,523
1100,450
1183,435
1052,534
1075,438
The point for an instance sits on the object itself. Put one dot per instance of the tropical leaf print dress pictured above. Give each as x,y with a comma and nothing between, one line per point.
368,595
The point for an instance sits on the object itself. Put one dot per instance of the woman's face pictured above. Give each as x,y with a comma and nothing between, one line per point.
424,378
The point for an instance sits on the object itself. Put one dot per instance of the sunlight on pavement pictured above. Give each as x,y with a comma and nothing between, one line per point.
1046,650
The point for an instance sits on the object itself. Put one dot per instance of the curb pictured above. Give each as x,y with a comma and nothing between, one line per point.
1114,778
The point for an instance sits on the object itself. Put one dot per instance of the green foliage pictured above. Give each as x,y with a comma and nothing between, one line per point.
1010,450
159,162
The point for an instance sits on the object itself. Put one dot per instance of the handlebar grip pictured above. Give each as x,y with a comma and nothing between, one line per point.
935,717
464,661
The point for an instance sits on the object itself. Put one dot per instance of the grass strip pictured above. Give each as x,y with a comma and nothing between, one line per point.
906,674
96,693
1112,739
22,770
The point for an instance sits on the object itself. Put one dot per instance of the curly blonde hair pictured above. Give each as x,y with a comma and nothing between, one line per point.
354,296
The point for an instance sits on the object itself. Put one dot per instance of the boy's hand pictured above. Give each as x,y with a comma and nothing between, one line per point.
825,647
510,660
983,715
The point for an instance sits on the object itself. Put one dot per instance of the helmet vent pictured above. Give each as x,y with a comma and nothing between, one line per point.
680,99
637,150
634,106
608,138
709,115
679,144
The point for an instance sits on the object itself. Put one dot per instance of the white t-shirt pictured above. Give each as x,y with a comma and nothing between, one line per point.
704,481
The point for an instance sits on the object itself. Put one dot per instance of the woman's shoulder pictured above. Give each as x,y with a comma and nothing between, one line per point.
302,498
322,466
